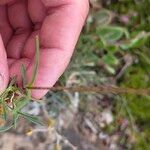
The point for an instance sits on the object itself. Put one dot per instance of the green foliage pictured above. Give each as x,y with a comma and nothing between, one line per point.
14,99
105,43
136,42
137,77
103,17
111,34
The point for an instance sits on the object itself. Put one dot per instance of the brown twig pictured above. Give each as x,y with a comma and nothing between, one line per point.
98,89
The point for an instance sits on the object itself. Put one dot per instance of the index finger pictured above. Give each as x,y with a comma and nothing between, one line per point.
58,35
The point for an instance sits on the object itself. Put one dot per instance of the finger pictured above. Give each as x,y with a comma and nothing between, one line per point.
16,44
63,23
22,26
2,2
37,13
18,15
5,29
58,35
15,64
15,68
3,67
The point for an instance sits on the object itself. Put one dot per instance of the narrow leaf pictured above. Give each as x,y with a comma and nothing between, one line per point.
4,129
15,118
37,43
21,103
24,76
31,118
5,111
13,81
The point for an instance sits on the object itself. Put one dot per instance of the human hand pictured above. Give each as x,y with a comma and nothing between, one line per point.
58,24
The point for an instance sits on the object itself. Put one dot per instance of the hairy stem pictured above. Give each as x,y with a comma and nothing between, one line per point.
98,89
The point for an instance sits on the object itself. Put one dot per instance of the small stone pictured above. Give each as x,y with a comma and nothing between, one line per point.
107,117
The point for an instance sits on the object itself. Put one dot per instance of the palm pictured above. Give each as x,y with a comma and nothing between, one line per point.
18,29
22,20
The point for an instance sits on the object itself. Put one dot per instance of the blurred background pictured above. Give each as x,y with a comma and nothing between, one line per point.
113,49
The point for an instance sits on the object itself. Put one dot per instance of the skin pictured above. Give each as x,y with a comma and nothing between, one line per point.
58,24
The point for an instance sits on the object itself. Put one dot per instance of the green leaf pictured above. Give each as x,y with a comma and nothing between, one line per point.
13,81
4,129
111,48
31,118
110,69
103,17
5,110
136,42
112,34
21,103
110,59
36,62
24,76
15,118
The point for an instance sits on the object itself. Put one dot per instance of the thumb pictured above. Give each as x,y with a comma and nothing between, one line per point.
4,77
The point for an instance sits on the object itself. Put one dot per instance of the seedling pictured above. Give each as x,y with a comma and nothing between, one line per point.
14,99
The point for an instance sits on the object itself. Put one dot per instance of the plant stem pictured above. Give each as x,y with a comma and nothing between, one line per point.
98,89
